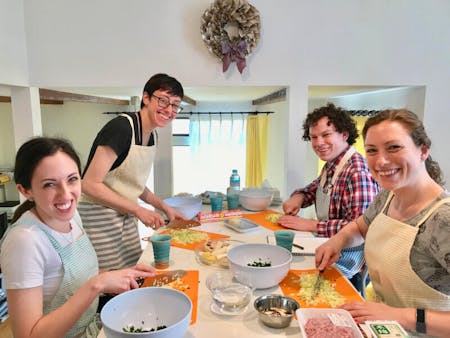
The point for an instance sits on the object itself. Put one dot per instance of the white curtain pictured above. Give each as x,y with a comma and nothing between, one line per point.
217,145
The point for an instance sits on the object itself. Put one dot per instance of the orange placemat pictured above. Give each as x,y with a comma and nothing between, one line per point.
192,246
187,284
260,219
290,286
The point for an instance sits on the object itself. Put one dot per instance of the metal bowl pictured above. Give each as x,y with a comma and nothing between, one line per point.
276,310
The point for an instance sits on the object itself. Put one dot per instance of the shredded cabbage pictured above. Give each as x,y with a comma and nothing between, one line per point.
273,217
327,292
186,236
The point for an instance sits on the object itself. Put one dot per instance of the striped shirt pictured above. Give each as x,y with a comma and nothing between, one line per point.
352,193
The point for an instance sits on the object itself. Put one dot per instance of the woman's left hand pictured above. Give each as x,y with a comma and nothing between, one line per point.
363,311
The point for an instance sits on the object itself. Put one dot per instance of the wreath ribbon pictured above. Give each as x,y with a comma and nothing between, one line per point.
234,51
231,49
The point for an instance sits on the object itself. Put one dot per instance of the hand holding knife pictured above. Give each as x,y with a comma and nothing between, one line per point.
319,280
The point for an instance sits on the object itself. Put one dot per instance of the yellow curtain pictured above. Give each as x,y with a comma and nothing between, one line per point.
256,160
359,144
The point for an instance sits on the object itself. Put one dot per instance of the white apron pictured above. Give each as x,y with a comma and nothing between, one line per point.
352,259
387,251
114,235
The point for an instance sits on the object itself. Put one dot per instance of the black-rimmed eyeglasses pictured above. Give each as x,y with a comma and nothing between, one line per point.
163,102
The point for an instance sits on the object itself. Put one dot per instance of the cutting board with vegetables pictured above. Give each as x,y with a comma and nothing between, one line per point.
261,218
190,235
187,284
290,286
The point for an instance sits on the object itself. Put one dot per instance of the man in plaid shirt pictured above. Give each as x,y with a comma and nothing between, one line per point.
344,189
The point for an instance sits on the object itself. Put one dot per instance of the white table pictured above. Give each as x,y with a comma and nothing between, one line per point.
209,324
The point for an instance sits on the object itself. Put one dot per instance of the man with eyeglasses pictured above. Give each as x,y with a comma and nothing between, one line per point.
343,190
116,173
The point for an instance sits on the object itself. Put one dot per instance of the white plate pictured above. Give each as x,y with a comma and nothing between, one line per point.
241,225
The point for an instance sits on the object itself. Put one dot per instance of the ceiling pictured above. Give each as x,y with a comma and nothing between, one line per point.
211,94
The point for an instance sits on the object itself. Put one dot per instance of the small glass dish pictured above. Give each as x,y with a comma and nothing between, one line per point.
230,297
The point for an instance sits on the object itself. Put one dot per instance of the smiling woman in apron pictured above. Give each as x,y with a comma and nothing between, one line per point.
344,189
115,176
49,266
406,229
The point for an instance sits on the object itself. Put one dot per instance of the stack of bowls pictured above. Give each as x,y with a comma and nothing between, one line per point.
255,199
187,205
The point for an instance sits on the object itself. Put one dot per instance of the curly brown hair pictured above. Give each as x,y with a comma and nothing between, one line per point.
416,129
338,117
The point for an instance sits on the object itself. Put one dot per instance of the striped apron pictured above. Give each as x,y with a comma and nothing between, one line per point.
351,259
115,235
79,265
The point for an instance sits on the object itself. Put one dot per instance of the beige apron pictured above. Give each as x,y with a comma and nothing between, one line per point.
387,251
352,259
130,178
115,236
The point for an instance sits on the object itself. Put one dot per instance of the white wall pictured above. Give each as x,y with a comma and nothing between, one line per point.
13,55
77,122
276,145
115,43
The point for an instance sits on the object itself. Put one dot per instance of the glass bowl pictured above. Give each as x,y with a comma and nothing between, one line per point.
229,295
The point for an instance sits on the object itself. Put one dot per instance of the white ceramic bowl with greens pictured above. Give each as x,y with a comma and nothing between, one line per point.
261,265
147,308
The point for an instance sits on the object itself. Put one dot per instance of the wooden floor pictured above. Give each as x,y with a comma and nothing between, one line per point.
5,329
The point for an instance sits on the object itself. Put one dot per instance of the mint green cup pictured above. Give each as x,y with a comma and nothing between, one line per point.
232,201
284,238
161,250
216,202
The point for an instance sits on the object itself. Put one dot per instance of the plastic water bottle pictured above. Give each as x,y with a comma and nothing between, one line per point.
235,182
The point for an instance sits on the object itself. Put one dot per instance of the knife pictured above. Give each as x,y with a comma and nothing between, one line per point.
317,283
174,224
161,278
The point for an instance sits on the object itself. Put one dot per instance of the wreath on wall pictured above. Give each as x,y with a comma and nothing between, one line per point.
236,48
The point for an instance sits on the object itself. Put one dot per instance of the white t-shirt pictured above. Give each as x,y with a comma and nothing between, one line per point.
28,259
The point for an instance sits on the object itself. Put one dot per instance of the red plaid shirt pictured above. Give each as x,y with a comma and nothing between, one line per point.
352,193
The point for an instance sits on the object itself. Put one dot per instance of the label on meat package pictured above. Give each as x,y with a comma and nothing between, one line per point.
386,329
339,320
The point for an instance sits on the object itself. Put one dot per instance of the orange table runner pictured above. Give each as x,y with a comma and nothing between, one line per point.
192,246
290,286
260,219
187,284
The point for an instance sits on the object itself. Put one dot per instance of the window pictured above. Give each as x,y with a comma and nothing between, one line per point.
215,145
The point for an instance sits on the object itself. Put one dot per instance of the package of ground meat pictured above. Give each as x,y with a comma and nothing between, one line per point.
327,323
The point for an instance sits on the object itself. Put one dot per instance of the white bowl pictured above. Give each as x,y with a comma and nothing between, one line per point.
147,308
255,199
259,277
188,206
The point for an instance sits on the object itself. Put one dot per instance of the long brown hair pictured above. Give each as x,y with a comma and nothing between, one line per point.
29,155
417,132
